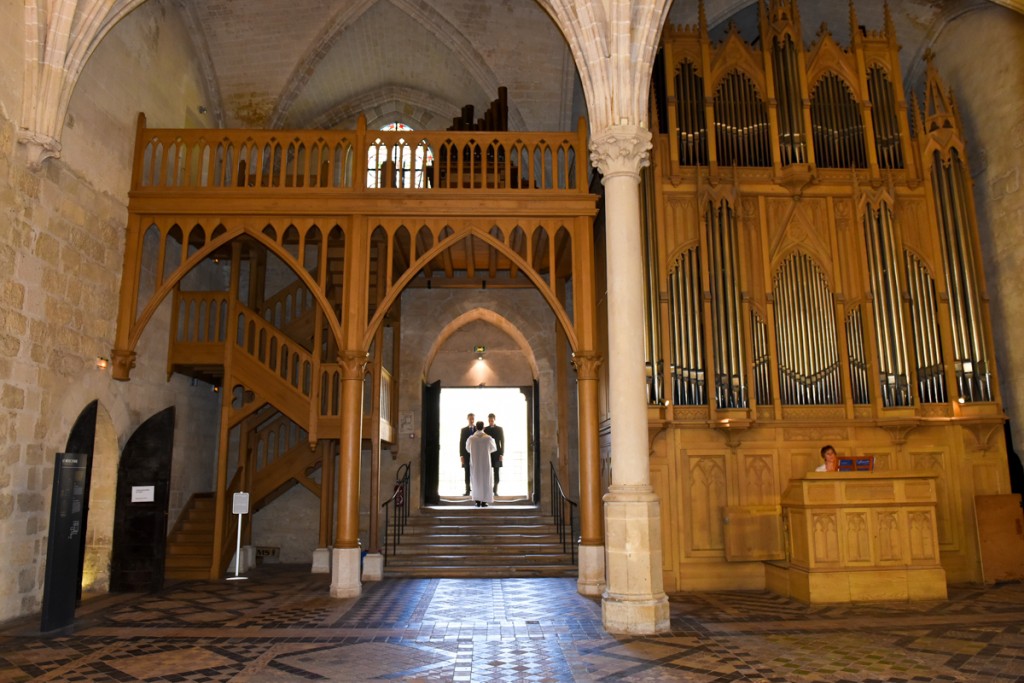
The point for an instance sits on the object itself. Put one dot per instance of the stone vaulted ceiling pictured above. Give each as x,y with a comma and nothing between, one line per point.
319,63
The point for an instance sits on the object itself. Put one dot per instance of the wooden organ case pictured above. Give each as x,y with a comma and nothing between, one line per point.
814,277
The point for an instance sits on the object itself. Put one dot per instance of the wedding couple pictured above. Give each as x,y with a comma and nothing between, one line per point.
481,450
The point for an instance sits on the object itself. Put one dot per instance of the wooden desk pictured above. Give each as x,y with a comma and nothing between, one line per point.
859,537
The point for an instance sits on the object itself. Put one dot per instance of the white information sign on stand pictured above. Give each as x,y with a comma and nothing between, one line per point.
240,503
239,506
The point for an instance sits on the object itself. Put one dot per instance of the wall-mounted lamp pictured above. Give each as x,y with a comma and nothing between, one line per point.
102,363
479,351
201,108
961,400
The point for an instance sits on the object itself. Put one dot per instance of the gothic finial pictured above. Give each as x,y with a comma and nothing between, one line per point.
855,35
702,19
890,28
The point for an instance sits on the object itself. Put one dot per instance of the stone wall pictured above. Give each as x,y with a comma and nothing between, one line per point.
61,250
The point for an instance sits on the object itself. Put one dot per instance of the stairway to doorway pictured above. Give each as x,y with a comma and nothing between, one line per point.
463,541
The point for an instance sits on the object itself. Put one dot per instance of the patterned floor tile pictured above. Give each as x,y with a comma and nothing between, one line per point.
282,625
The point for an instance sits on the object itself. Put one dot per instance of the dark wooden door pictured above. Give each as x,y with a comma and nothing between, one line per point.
140,517
431,454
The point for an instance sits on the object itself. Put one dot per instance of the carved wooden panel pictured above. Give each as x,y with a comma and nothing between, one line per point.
936,461
707,497
758,475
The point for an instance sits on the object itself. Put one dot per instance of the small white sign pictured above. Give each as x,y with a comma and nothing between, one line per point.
240,504
143,494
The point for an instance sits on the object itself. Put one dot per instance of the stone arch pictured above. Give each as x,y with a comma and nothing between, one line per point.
487,316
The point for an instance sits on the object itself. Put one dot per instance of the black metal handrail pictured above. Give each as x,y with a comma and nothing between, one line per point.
395,520
559,504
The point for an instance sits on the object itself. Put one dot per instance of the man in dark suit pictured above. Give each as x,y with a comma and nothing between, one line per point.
467,432
498,434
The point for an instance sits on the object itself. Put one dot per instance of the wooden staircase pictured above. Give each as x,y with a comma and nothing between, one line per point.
190,544
462,541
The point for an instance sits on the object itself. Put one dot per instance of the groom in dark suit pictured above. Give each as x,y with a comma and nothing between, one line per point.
467,432
498,434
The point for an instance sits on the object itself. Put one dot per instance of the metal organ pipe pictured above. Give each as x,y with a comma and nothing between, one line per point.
966,253
969,352
730,380
805,325
884,118
687,329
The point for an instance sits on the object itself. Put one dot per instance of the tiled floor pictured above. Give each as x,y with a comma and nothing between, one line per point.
281,625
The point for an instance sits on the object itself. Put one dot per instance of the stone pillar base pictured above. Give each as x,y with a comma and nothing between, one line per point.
627,615
322,561
591,578
635,600
373,567
345,573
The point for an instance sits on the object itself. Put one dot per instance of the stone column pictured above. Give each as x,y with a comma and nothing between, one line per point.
345,575
634,600
591,580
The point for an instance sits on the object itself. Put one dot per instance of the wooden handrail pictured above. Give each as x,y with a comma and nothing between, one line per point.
288,305
395,521
275,350
563,519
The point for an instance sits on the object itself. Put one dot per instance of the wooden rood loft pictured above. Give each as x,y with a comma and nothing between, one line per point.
285,254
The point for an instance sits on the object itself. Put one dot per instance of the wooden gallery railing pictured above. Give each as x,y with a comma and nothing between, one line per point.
255,162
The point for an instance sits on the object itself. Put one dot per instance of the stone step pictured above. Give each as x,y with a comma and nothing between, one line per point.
448,572
476,549
461,540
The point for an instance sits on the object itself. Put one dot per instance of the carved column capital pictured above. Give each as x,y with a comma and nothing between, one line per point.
121,364
38,147
621,150
586,364
353,364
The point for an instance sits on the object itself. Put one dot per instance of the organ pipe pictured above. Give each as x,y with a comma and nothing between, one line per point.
741,123
687,330
730,359
652,319
970,357
885,119
858,359
888,313
762,382
785,66
805,327
836,125
931,380
693,143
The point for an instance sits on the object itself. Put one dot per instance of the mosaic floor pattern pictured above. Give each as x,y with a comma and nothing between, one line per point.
282,625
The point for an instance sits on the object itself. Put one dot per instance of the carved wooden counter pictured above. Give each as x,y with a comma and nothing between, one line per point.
857,537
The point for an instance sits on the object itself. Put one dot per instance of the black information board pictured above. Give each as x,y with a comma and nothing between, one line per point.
67,508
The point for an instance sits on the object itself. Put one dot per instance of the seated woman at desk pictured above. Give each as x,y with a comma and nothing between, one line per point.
830,460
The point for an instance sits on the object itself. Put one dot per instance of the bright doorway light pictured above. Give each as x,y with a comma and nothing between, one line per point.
510,411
